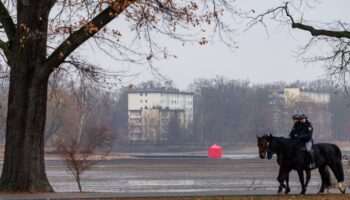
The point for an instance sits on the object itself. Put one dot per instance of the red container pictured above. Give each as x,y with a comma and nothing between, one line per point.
215,151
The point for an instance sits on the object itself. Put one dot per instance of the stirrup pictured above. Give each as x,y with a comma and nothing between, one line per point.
312,166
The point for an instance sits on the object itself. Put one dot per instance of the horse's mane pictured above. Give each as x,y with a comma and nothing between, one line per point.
279,138
282,139
287,145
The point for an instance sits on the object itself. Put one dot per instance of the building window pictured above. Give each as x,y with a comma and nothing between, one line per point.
146,101
141,101
145,94
140,94
145,107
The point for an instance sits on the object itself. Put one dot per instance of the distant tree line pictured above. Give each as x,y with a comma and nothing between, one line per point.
235,111
225,111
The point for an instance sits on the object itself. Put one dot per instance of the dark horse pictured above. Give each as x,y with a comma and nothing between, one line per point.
263,142
295,157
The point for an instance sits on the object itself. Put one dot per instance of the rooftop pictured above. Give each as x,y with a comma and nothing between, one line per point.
159,90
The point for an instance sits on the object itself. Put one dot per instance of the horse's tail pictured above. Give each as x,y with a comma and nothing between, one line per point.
338,168
333,156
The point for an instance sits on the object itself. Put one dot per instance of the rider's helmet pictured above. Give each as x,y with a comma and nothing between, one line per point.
296,117
302,116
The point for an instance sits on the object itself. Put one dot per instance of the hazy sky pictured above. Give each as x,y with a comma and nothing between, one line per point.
260,58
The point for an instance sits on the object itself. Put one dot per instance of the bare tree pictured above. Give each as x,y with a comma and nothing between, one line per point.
230,111
81,157
40,37
333,36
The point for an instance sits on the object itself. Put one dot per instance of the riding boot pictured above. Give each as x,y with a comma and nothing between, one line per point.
312,164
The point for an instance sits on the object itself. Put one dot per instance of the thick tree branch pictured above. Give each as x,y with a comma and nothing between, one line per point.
313,31
7,22
84,33
321,32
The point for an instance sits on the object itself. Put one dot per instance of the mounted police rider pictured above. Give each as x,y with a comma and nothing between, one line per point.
296,125
302,130
306,131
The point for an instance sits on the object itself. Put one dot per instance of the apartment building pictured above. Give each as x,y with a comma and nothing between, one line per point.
150,112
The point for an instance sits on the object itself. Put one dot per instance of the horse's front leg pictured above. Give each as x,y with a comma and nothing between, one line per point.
287,185
283,175
280,179
301,179
308,177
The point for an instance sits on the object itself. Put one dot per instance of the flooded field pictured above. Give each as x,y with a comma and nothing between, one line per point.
159,175
178,175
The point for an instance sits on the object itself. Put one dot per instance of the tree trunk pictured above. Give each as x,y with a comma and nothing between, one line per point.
77,178
24,166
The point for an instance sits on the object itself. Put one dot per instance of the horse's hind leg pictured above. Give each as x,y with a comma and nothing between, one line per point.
337,169
323,179
301,179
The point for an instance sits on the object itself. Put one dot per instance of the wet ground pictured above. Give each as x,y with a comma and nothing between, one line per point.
164,176
178,175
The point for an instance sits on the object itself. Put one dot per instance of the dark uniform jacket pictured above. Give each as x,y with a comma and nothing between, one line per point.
305,131
294,133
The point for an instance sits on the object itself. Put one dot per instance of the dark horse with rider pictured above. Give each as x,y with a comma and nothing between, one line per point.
298,152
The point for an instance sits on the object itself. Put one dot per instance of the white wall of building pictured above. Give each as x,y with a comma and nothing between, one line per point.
297,95
165,100
142,102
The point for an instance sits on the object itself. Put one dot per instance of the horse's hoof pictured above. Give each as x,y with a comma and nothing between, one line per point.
341,188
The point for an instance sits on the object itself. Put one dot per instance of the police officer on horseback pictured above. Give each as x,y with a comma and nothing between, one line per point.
303,133
296,126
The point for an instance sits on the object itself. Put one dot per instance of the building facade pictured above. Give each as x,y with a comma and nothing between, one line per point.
292,95
151,112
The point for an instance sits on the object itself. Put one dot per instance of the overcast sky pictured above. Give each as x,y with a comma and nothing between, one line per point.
260,58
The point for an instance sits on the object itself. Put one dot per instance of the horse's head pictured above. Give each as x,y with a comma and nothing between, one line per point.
262,144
